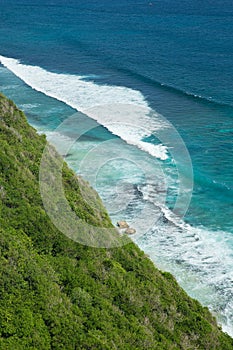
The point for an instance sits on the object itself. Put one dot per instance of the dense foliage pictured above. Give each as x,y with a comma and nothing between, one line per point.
58,294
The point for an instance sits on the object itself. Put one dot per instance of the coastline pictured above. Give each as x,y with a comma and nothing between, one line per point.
165,244
137,99
63,273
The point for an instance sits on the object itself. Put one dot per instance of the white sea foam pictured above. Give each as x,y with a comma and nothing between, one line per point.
158,151
95,100
200,251
27,106
200,259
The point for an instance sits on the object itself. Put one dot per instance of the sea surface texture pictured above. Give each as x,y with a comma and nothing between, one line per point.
155,79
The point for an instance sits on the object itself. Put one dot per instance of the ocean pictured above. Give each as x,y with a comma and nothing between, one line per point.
156,77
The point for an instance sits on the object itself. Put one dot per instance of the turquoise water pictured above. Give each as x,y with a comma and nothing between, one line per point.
172,59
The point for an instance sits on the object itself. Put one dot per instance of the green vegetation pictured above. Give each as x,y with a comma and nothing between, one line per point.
58,294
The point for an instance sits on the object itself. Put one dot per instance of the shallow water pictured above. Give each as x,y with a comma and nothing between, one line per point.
146,74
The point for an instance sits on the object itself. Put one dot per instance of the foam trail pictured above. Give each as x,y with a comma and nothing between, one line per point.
197,249
195,256
85,95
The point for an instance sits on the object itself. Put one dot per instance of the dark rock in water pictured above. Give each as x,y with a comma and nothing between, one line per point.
165,220
137,191
130,231
122,224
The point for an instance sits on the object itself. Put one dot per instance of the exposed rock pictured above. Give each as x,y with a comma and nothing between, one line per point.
122,224
130,231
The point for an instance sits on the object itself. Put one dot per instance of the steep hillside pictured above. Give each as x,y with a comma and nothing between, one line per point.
58,294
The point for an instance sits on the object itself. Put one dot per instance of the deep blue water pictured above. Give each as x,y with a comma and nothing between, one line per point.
179,55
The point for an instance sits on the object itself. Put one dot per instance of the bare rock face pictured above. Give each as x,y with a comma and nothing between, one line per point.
130,231
125,228
122,224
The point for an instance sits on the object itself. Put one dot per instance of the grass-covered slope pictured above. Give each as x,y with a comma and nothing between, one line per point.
58,294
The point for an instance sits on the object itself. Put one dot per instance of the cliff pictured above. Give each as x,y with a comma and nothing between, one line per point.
58,294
